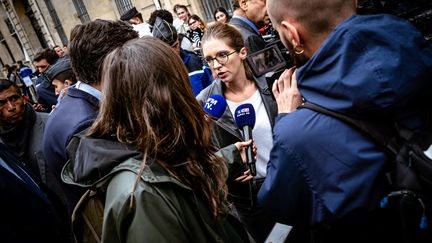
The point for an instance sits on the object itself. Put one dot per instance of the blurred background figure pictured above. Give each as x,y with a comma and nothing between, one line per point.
196,30
181,23
249,16
165,182
45,91
59,51
221,15
200,75
12,75
185,42
135,18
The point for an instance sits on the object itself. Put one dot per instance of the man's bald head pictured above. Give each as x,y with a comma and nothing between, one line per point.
316,16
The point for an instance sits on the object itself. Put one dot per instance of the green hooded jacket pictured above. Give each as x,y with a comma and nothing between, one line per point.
160,209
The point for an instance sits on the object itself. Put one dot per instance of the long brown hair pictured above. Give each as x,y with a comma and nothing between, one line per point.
147,101
231,36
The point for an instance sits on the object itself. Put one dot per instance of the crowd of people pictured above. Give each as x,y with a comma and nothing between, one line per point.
122,106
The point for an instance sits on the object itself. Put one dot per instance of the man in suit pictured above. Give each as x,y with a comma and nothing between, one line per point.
249,16
80,106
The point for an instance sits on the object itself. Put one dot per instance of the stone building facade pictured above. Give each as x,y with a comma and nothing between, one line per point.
27,26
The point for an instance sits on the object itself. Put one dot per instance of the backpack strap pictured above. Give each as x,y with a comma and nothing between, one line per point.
380,133
387,136
87,216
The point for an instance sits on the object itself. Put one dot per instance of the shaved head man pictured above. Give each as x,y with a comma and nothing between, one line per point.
304,25
324,177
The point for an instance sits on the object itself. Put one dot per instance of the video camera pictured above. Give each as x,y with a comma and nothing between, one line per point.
271,61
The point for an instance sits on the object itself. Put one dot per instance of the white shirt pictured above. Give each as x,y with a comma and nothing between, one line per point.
180,26
261,133
143,29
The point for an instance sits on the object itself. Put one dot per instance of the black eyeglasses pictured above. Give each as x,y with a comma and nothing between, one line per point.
191,23
221,57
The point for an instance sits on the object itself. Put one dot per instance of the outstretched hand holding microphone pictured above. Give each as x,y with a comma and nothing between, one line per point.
215,107
244,116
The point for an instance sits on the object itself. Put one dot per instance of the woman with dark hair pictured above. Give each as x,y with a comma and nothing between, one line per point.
224,51
152,145
221,15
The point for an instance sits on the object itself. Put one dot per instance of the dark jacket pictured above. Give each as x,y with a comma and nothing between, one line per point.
226,133
46,93
165,210
200,76
24,141
76,112
28,213
322,172
253,40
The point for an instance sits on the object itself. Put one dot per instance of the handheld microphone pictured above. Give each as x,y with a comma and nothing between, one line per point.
215,106
245,119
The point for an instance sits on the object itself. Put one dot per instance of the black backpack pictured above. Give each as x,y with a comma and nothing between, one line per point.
409,174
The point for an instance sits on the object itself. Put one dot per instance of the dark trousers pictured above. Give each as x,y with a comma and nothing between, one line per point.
257,223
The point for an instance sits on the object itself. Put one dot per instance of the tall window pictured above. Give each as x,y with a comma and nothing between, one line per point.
82,11
6,46
13,34
56,20
123,6
34,22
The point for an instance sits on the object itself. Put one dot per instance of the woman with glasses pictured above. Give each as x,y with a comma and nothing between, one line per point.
224,51
196,30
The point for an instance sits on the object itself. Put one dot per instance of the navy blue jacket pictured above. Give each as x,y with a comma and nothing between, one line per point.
322,171
28,213
75,112
200,76
46,93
